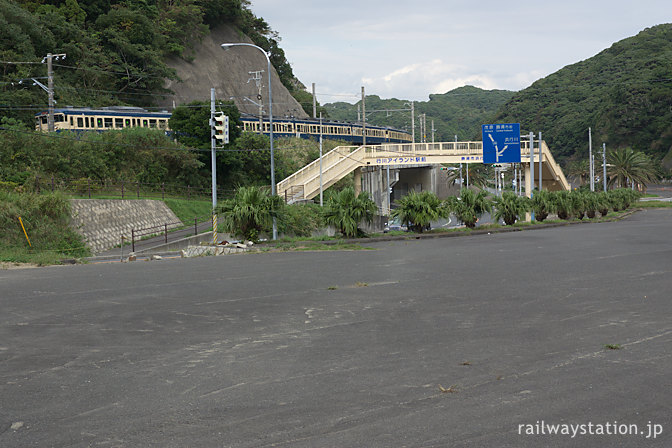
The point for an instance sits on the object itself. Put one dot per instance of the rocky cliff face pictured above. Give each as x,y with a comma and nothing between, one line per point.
228,72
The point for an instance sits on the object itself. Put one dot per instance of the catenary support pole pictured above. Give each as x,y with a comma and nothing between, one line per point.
50,92
314,103
321,192
363,117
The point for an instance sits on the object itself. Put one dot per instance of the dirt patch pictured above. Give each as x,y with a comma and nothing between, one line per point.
8,265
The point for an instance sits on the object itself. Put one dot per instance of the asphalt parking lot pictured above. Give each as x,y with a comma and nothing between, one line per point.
471,341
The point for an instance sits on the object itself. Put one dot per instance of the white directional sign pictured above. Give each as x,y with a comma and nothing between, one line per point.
501,143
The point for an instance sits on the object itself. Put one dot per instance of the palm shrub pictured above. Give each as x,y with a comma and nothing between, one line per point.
563,204
615,199
469,206
542,203
603,203
509,207
591,203
418,210
250,211
345,211
578,203
629,197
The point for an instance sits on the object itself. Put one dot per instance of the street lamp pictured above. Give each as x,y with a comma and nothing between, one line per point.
270,117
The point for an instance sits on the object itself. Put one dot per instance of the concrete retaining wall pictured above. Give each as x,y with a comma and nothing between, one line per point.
103,221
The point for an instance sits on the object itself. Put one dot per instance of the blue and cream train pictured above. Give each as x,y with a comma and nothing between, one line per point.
119,117
310,128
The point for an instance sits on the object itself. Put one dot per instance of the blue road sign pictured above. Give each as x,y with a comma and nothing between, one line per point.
501,143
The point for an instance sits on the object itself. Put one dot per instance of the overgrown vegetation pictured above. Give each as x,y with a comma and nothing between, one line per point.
45,218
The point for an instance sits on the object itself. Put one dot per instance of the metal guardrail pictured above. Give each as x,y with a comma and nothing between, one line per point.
164,233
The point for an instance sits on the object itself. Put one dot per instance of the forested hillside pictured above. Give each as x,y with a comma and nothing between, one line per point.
458,112
115,50
624,93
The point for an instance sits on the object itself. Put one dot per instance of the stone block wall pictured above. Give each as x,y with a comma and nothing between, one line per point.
103,221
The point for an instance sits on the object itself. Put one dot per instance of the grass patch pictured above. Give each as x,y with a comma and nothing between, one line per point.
654,204
188,209
613,346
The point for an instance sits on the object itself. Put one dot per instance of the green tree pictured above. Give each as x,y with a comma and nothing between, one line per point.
419,210
250,212
346,211
469,206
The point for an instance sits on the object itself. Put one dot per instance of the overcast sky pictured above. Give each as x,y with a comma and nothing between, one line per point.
410,49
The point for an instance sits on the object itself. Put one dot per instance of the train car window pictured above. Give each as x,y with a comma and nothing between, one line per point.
144,123
59,118
127,123
80,122
108,122
163,124
99,122
118,122
152,123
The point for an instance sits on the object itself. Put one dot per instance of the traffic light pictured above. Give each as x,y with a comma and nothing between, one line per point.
221,127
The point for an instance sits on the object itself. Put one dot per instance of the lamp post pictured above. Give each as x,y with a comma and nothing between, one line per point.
270,117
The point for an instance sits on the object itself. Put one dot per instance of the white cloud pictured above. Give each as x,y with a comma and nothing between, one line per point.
435,76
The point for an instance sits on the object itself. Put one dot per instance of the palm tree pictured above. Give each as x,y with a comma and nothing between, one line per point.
480,175
627,167
578,171
346,211
509,207
249,212
469,206
418,210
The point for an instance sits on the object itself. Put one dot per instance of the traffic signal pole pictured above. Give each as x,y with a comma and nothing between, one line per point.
213,145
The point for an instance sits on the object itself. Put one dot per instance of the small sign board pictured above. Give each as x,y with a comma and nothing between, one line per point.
501,143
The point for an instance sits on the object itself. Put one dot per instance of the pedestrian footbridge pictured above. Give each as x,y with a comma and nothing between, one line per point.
339,162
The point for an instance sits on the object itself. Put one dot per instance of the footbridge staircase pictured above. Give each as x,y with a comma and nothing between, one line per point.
339,162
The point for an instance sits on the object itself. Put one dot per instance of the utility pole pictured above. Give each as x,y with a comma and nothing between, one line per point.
540,160
363,118
532,164
315,107
50,87
590,161
461,180
604,166
433,130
